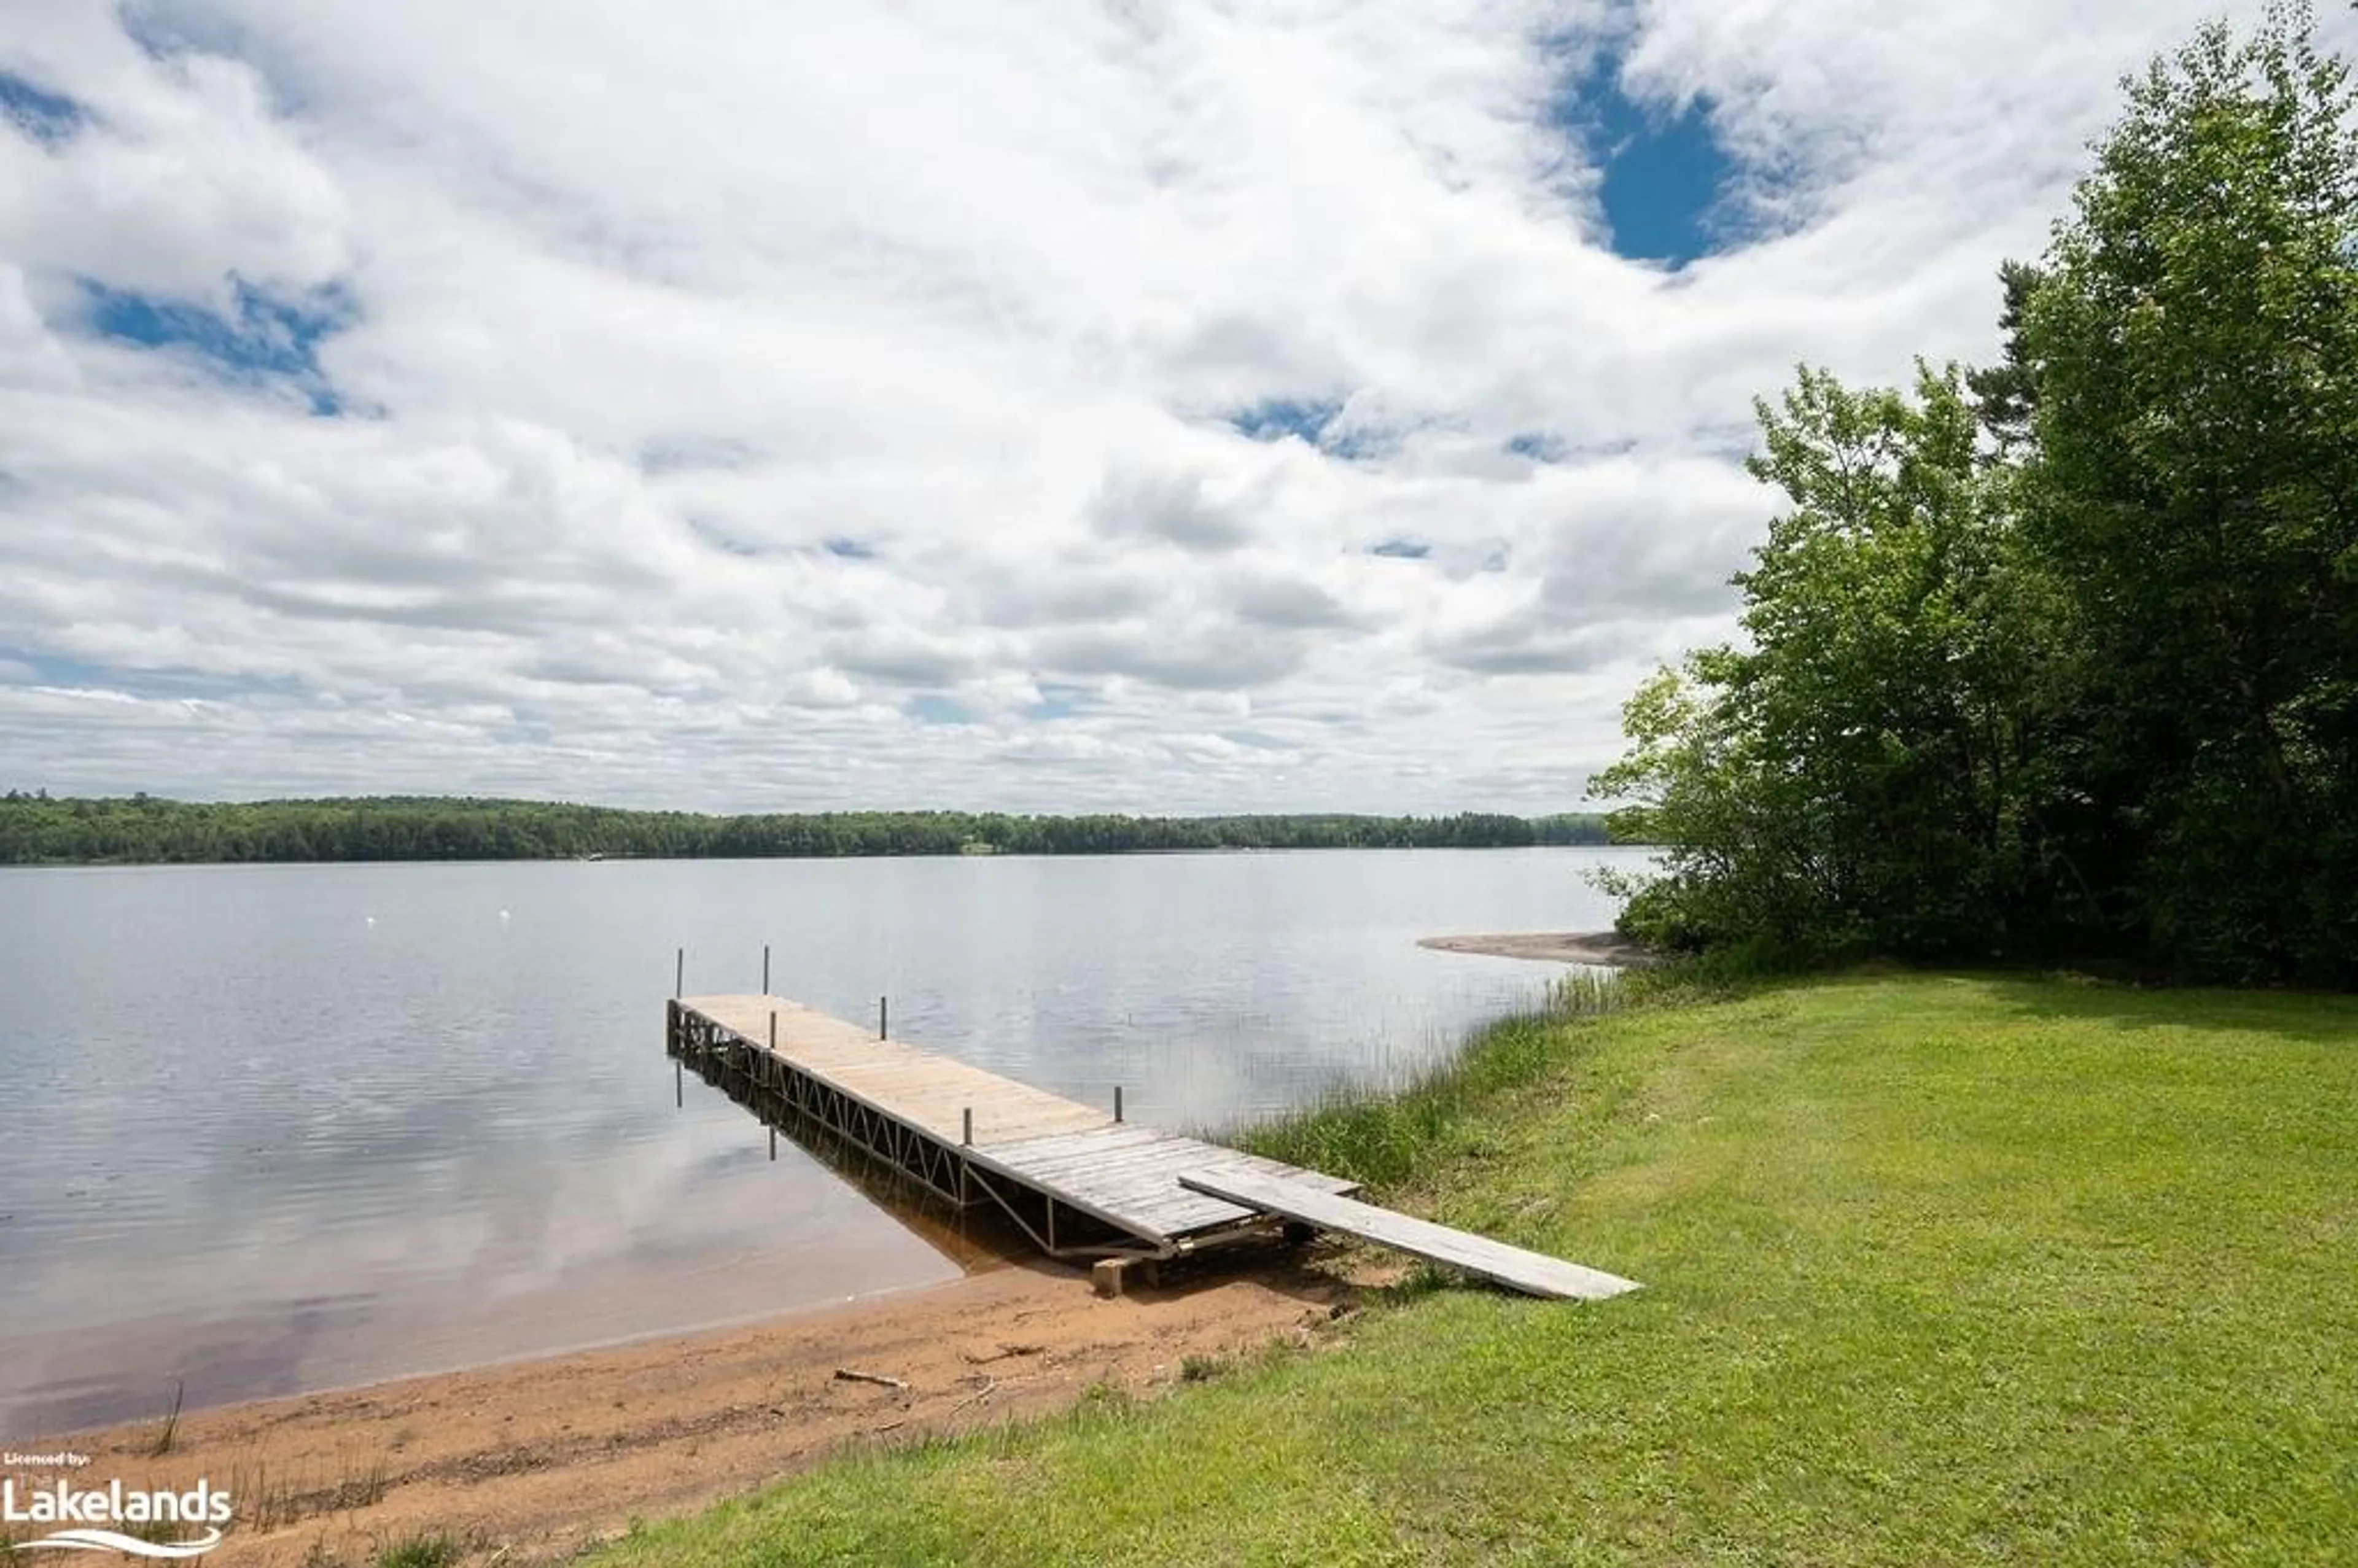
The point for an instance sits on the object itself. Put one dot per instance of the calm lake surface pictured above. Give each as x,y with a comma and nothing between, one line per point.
275,1128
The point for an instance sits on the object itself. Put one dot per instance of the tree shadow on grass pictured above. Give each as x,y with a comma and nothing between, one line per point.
2321,1018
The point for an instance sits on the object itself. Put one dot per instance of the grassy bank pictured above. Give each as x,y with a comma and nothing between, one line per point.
1938,1269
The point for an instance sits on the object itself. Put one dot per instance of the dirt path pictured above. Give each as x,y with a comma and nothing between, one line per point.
530,1461
1607,949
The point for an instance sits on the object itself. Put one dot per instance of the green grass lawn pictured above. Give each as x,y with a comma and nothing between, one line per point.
1939,1270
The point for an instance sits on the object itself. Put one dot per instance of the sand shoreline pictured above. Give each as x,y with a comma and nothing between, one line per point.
532,1461
1606,950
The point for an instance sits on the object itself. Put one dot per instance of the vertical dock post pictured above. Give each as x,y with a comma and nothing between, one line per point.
881,1016
773,1144
765,968
1117,1102
679,973
774,1029
966,1137
678,1085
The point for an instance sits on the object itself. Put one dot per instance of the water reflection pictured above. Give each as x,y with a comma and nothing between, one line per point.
271,1129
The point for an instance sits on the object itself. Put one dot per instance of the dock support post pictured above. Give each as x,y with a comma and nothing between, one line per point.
1117,1102
765,968
966,1137
679,1084
774,1029
679,973
882,1014
773,1145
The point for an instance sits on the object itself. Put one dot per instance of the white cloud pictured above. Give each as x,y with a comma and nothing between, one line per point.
725,388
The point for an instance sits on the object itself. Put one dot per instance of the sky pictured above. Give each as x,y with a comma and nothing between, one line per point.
742,406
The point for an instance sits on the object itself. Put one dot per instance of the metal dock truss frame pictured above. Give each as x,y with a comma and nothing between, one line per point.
1078,1183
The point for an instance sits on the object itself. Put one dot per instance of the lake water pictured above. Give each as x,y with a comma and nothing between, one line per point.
275,1129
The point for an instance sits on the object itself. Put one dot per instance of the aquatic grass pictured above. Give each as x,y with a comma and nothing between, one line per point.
1586,993
268,1500
1377,1135
262,1504
1939,1268
171,1430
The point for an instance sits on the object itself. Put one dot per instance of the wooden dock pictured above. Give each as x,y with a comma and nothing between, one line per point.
1079,1183
1077,1179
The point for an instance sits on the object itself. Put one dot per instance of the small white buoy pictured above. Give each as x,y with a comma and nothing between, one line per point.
503,917
371,919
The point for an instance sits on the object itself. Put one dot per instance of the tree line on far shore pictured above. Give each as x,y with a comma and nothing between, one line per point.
38,830
2058,659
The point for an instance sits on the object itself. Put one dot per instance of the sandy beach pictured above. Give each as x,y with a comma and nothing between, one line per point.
532,1461
1606,950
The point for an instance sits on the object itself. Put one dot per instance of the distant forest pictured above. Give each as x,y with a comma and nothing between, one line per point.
38,830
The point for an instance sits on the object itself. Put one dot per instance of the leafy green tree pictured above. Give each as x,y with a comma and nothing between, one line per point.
2194,489
2007,393
1850,780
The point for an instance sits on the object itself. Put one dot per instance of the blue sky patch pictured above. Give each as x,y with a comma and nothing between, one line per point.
1275,418
188,32
1365,441
46,117
1255,740
1058,701
1665,174
850,549
690,455
929,709
1320,423
265,340
75,675
720,538
1398,549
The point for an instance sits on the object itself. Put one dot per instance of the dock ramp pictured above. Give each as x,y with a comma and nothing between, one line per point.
1534,1273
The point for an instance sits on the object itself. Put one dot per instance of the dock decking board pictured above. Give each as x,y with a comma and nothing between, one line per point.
925,1090
1532,1272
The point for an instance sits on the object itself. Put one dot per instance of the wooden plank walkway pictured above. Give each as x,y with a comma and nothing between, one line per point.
1532,1272
1132,1173
925,1089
